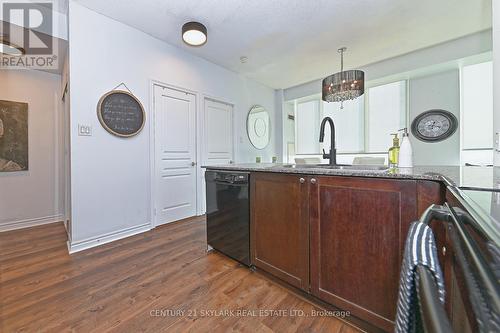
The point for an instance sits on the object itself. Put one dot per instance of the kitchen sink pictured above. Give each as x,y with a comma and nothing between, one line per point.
339,167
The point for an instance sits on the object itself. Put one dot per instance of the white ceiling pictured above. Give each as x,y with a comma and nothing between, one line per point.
289,42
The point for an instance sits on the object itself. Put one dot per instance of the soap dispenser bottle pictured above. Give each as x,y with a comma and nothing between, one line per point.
405,151
394,152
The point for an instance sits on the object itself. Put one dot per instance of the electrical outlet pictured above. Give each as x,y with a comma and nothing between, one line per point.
84,130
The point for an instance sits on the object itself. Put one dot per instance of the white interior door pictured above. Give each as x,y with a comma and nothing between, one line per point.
218,139
218,132
175,154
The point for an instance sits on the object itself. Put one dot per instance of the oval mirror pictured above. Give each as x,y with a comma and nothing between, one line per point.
258,127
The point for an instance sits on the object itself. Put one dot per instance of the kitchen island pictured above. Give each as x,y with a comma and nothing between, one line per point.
337,235
460,177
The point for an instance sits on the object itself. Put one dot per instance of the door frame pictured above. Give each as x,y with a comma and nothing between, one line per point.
152,145
200,99
202,147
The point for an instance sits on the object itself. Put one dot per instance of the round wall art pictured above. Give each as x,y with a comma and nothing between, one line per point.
121,113
434,125
258,127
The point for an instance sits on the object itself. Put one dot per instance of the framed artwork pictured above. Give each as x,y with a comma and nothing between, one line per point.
13,136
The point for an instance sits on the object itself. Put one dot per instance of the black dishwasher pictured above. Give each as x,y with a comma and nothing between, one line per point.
228,213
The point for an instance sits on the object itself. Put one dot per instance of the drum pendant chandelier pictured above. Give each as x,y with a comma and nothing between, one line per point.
345,85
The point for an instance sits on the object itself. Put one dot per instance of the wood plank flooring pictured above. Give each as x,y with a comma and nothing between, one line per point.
159,281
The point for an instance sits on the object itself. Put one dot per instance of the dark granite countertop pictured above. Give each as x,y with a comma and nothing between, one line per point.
461,177
478,186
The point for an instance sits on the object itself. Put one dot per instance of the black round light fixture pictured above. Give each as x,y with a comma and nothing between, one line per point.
10,49
194,33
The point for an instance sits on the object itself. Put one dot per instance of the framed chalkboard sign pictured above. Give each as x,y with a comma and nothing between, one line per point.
121,113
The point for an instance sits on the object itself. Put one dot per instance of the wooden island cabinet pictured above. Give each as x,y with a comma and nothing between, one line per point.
279,227
341,239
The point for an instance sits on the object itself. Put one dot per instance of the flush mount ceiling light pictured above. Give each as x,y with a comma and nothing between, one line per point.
345,85
194,33
10,49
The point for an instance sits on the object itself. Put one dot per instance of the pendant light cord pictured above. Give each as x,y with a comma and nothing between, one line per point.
342,78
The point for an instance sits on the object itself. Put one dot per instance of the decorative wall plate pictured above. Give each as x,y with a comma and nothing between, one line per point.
258,127
434,125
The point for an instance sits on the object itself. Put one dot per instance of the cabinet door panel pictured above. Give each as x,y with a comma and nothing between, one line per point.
280,232
358,229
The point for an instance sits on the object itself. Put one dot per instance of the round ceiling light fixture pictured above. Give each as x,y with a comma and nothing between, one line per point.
10,49
194,33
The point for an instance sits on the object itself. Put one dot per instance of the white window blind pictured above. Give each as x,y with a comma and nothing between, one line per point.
477,106
349,125
307,127
386,114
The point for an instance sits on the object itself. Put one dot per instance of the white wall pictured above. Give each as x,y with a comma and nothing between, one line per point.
34,197
66,126
110,176
496,74
440,91
428,62
426,58
288,131
279,131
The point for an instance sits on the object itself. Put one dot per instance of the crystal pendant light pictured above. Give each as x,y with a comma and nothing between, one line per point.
345,85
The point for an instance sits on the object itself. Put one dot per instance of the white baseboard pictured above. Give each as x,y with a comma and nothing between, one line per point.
107,238
20,224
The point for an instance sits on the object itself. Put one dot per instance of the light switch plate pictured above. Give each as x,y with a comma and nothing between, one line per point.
84,130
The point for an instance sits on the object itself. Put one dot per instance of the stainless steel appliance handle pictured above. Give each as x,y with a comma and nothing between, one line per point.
468,255
434,316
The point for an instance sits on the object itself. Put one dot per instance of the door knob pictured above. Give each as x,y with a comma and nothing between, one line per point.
193,163
231,162
302,180
313,181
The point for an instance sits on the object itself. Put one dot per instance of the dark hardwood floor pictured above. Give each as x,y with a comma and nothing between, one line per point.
131,285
